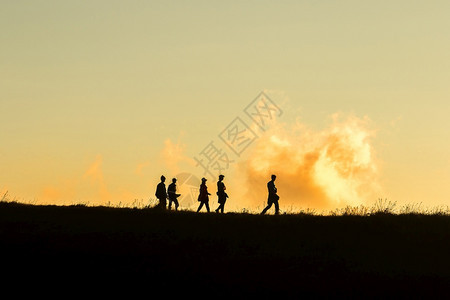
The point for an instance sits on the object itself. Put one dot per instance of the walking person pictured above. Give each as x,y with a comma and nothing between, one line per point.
203,197
161,193
172,193
221,194
273,196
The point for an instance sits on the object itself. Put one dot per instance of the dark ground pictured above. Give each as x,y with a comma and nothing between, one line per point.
54,249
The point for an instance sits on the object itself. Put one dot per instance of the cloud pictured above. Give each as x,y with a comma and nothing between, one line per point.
174,157
323,169
95,174
89,187
64,192
139,170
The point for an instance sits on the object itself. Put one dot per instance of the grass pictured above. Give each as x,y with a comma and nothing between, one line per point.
381,206
351,252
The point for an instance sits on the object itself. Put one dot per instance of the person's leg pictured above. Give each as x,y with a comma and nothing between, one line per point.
170,204
200,206
277,208
269,205
220,204
207,206
176,204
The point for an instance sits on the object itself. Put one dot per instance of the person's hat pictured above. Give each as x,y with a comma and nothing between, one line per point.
221,175
203,179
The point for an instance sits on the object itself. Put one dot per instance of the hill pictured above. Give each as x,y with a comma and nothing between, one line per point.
82,248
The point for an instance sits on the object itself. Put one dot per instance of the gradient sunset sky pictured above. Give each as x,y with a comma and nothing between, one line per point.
99,98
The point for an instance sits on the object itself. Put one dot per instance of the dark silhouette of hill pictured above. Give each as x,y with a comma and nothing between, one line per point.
107,250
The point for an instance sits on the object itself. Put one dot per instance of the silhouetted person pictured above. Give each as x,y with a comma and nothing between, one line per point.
221,194
273,197
161,193
203,197
172,192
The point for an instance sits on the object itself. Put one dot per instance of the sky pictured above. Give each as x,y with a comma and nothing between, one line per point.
98,99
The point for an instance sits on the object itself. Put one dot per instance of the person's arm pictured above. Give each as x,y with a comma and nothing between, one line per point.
272,189
158,188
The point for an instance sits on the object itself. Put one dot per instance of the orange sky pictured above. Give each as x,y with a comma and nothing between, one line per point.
99,99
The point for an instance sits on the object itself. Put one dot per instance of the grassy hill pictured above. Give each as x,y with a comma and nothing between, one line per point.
146,250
